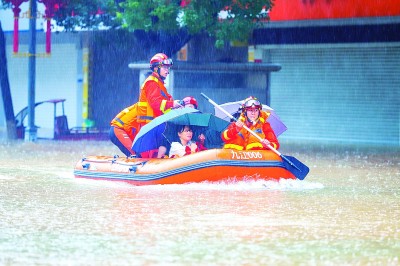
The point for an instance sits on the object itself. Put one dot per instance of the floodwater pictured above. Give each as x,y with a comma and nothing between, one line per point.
346,212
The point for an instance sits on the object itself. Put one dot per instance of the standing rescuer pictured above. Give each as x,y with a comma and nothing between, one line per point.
154,100
237,137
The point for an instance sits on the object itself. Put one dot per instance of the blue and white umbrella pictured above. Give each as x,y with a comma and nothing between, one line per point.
164,129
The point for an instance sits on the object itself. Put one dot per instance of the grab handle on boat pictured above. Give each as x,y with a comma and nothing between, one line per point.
299,169
133,169
86,166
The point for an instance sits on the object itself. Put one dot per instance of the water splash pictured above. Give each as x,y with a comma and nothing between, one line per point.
246,185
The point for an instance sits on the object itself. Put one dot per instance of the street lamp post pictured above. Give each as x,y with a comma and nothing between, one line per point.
31,132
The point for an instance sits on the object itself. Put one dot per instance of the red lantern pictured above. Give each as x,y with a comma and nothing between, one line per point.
51,7
16,10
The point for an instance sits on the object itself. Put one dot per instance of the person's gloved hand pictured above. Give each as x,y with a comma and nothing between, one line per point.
178,104
193,147
265,143
239,124
202,138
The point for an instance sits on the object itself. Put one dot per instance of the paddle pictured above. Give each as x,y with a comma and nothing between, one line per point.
296,167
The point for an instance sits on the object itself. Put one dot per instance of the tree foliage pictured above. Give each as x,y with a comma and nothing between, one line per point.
88,14
226,20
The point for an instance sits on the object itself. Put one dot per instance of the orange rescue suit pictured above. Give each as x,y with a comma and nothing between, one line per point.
154,101
241,139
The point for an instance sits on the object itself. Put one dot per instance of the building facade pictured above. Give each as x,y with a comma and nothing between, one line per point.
339,77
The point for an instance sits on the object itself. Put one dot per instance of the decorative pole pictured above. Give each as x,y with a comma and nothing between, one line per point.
16,11
48,33
31,132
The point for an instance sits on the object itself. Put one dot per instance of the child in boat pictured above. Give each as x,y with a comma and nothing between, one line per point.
187,102
191,102
237,137
185,146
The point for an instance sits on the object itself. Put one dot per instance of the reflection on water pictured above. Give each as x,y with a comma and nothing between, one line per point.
345,212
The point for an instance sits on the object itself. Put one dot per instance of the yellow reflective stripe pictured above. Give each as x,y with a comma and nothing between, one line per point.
142,103
150,78
153,78
226,135
262,119
233,146
274,145
119,121
254,145
162,106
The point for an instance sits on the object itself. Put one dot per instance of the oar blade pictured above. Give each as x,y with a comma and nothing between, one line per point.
297,168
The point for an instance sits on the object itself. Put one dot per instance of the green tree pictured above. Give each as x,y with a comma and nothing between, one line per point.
226,20
88,14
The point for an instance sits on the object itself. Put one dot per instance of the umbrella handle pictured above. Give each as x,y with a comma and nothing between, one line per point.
248,129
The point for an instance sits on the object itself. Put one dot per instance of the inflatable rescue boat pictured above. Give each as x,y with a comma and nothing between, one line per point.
210,165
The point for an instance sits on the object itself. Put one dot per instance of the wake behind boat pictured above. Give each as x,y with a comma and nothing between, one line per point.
210,165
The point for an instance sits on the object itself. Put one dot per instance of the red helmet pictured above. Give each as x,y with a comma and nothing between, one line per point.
190,100
160,59
251,102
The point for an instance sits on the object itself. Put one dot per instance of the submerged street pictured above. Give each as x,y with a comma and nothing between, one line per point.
346,211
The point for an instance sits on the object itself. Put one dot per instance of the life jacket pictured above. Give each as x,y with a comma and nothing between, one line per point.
127,120
132,118
244,140
145,112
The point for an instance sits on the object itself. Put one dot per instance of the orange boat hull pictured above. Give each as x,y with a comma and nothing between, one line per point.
211,165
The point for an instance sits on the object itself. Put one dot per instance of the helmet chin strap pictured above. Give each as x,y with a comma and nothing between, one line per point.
253,122
159,74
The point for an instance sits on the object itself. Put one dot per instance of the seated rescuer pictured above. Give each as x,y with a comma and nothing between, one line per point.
237,137
154,100
185,146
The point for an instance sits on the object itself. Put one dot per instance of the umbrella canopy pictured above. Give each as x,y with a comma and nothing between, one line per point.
165,129
233,108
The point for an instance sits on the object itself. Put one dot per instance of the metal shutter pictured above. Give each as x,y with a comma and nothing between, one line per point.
338,94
